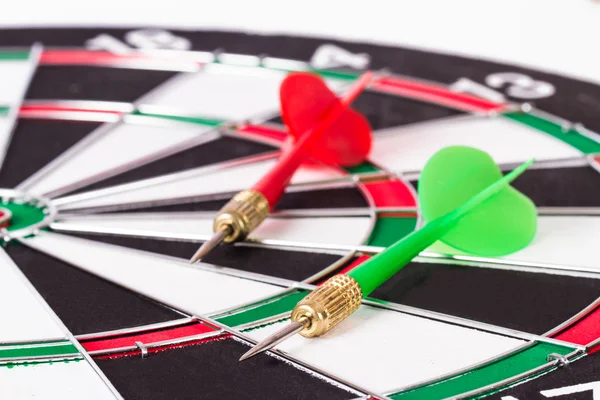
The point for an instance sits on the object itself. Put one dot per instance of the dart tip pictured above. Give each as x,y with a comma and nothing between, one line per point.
249,354
273,340
201,252
261,347
210,244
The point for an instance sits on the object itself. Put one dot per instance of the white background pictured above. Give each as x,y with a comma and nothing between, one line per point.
554,35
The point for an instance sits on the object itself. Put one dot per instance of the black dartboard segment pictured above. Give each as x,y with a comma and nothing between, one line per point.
94,83
215,151
526,301
293,265
84,302
313,199
559,187
212,370
35,143
385,111
322,198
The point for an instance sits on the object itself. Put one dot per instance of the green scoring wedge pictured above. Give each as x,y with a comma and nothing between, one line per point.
468,205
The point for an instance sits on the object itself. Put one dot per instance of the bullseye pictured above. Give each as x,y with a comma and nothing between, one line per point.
22,215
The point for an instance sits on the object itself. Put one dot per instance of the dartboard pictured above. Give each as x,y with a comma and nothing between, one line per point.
118,146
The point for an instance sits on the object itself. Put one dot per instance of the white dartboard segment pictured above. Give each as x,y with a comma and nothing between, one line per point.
15,71
396,349
408,148
116,146
175,283
567,241
73,380
221,91
337,232
24,318
6,126
202,181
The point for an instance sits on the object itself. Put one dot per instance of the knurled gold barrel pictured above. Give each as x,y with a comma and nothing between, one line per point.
328,305
242,214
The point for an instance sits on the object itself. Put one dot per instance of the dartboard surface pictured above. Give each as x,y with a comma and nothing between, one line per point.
119,145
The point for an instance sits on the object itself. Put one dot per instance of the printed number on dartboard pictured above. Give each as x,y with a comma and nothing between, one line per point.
145,39
502,84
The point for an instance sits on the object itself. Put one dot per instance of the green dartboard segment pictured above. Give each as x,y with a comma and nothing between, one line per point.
191,120
53,349
267,309
501,225
14,55
343,76
23,215
364,168
389,229
571,136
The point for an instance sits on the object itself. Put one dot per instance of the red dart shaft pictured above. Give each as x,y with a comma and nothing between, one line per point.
273,183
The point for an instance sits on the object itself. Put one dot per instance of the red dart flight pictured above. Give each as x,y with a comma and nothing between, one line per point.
324,128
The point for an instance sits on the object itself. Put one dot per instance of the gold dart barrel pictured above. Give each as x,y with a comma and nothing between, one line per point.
328,305
241,215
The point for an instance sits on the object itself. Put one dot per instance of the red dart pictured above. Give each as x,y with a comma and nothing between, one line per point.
324,128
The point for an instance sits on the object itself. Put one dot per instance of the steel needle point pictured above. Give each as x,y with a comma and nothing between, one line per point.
207,246
274,340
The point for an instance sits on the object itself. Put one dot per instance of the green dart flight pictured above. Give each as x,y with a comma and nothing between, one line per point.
467,204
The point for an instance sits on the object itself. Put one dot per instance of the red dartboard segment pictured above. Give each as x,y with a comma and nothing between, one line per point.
50,108
390,193
355,263
86,57
435,94
105,58
146,338
151,350
59,106
359,260
263,133
5,216
584,331
57,111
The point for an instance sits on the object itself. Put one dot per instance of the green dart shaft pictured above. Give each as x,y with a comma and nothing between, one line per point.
384,265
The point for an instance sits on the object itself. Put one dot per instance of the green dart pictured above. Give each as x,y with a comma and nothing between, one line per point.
462,214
